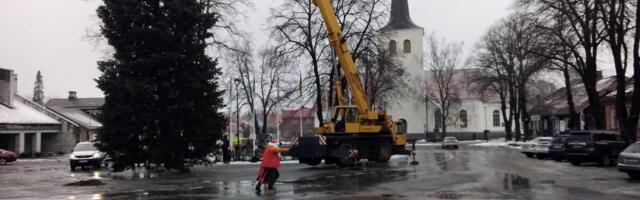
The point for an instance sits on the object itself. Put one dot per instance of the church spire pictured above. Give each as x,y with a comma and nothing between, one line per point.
400,17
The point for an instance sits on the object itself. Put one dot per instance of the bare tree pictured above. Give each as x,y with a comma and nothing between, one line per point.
276,83
228,13
582,38
442,91
617,20
240,59
300,29
508,54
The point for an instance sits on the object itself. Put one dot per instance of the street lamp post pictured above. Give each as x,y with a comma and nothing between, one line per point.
237,148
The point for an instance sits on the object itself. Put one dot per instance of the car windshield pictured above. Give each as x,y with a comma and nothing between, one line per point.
85,147
634,148
579,137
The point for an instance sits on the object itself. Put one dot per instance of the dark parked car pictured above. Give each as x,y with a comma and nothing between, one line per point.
594,146
629,161
6,157
556,150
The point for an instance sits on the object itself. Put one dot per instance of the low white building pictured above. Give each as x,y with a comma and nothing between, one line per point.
473,113
24,128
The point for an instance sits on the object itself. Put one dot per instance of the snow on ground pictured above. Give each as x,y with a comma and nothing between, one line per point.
425,143
499,142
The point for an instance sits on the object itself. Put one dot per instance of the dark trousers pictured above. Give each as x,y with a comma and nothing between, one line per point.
271,175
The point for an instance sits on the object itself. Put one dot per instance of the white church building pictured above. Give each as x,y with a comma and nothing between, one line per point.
406,40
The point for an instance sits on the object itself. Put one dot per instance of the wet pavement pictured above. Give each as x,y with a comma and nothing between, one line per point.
468,173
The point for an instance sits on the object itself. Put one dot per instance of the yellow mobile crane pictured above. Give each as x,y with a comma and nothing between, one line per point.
355,131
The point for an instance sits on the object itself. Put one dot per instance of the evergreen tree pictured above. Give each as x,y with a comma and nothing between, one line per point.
161,92
38,90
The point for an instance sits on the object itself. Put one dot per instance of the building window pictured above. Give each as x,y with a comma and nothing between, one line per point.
463,119
392,47
613,119
437,116
407,46
496,118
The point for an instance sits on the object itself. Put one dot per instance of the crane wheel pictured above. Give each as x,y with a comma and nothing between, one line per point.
345,160
384,152
314,161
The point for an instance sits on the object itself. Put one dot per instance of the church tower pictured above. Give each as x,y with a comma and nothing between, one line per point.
405,39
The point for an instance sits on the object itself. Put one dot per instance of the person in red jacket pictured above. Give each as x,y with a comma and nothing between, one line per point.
268,173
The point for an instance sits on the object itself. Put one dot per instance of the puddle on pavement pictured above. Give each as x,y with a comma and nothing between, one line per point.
515,182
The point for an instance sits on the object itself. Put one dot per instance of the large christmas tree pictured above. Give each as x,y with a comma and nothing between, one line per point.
161,95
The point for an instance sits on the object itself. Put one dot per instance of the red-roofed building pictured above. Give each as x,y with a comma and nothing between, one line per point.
291,119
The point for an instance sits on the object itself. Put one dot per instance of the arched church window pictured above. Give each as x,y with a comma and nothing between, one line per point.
496,118
392,47
407,46
437,116
463,119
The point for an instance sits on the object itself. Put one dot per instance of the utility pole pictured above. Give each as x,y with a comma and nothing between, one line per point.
300,115
237,146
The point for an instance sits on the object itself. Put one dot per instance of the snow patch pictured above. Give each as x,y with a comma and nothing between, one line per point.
499,142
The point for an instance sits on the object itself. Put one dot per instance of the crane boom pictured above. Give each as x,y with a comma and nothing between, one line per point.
344,56
355,131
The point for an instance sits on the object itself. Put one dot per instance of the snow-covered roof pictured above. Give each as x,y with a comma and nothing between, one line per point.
78,110
23,114
78,116
556,102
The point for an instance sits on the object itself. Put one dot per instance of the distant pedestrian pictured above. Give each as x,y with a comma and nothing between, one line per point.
226,148
268,173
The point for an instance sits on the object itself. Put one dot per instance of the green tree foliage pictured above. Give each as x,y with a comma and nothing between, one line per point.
38,90
161,92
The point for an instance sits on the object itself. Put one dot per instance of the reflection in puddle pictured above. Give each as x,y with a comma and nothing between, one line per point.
515,182
441,160
444,195
96,175
96,197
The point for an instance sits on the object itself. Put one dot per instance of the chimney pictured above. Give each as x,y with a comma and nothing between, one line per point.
73,95
8,87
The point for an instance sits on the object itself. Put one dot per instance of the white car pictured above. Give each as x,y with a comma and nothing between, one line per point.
86,154
629,161
450,142
542,147
529,148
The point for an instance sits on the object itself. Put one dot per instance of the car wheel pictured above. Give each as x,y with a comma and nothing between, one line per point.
540,157
557,159
529,155
73,167
3,161
634,175
575,163
605,160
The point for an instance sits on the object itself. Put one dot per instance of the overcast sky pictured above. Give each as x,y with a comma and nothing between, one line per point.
51,36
